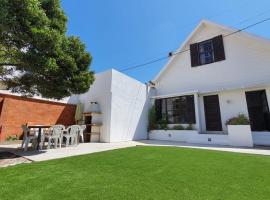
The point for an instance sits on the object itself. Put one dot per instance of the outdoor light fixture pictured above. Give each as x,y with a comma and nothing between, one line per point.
151,83
228,101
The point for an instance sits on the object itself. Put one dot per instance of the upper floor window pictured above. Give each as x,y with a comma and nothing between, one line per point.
208,51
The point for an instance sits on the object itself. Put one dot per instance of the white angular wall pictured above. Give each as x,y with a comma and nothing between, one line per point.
129,108
123,103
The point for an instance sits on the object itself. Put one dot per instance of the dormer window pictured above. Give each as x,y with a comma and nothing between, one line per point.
207,51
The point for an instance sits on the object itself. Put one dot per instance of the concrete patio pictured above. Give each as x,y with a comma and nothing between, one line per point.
88,148
81,149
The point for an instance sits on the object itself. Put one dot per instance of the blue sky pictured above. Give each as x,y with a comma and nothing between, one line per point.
123,33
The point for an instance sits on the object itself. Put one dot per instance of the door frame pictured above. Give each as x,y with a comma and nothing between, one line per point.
220,128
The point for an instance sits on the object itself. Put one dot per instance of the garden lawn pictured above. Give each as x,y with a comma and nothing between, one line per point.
141,173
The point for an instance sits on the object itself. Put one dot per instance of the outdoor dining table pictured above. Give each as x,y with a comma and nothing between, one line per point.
39,127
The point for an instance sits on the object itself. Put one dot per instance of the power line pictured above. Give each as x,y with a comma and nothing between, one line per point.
175,53
249,26
251,18
232,33
143,64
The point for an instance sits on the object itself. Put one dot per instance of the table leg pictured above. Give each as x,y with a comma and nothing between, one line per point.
38,139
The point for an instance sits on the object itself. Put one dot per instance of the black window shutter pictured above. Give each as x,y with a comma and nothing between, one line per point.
194,55
218,48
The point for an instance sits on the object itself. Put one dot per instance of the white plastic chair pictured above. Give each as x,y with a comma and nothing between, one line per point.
71,135
55,135
82,128
28,136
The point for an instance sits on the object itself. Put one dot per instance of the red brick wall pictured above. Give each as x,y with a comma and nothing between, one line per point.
16,111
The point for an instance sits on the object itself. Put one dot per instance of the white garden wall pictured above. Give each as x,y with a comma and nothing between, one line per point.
129,108
123,103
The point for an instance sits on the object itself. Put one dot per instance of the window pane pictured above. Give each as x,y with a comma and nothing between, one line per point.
170,117
177,109
158,108
169,104
206,52
176,103
164,109
176,117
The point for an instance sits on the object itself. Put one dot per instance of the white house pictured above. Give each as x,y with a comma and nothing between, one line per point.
217,75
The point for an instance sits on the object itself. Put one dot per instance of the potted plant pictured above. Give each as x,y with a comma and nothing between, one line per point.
239,131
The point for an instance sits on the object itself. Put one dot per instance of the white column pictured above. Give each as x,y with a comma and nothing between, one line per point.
197,112
268,95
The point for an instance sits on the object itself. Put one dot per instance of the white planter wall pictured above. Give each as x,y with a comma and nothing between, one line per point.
171,135
189,136
240,135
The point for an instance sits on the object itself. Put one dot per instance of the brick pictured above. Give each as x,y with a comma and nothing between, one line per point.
15,111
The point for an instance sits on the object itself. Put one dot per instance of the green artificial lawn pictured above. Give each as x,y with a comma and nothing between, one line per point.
141,173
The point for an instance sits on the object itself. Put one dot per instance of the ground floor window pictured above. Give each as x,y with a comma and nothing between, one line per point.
176,110
258,110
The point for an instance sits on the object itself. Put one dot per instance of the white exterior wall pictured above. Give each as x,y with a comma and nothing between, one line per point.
100,92
231,104
247,63
129,108
123,103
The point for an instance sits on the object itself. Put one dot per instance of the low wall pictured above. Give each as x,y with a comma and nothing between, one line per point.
15,111
189,136
261,138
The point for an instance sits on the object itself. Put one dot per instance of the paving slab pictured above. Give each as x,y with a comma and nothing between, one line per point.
81,149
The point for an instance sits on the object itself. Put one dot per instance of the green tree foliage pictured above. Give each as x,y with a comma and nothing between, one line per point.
152,119
36,55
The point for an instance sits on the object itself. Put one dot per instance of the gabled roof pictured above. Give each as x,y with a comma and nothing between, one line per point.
200,25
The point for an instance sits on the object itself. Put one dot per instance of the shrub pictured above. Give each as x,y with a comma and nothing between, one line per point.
152,119
241,119
163,124
12,138
178,127
190,127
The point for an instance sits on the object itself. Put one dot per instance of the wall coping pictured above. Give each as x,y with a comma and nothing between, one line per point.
33,99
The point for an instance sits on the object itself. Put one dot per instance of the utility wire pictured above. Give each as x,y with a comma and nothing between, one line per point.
175,53
249,26
251,18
